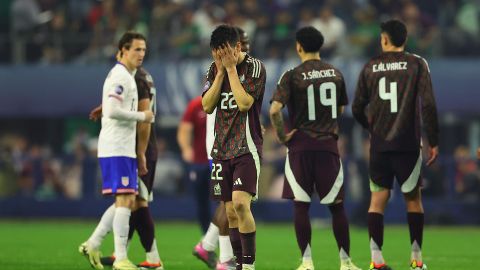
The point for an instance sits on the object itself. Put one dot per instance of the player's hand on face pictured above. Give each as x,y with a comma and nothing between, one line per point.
142,164
148,116
95,114
433,154
217,59
229,56
187,155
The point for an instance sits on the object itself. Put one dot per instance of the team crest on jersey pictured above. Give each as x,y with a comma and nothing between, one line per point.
206,86
119,89
125,181
217,190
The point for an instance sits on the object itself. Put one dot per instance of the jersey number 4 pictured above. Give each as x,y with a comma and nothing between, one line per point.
391,95
325,100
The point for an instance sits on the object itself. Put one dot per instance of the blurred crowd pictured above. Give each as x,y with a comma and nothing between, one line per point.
58,31
33,169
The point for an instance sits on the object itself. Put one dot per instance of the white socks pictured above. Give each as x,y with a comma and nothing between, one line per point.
416,252
377,256
226,251
307,254
344,256
152,255
120,232
103,228
210,240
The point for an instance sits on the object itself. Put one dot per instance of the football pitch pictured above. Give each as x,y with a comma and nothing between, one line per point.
52,244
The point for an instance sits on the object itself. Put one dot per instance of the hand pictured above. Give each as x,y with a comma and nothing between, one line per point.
95,114
217,60
229,56
432,156
142,164
288,136
187,155
148,116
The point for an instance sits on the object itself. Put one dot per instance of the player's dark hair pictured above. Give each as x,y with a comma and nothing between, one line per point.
224,34
310,39
396,31
127,39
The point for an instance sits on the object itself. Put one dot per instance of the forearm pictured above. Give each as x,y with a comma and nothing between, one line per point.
242,98
277,122
114,111
143,135
184,136
211,97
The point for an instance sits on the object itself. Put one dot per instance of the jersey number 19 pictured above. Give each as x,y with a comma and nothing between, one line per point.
325,100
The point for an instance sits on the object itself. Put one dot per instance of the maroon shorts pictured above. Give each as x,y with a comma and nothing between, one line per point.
239,173
309,171
145,182
404,166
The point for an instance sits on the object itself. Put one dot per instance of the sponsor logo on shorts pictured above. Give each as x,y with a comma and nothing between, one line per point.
125,180
217,190
237,182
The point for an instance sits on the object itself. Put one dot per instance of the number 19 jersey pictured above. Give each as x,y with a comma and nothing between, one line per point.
313,92
394,92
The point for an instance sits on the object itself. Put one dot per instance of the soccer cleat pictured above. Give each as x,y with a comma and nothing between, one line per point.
248,266
148,265
382,266
124,264
108,260
208,257
306,265
228,265
348,265
416,265
92,255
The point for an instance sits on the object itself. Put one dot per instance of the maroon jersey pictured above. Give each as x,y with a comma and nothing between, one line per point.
314,92
198,118
146,89
238,133
394,91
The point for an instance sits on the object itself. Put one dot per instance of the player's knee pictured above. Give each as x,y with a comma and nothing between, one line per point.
241,206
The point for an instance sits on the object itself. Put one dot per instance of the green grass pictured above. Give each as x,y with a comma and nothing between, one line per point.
50,245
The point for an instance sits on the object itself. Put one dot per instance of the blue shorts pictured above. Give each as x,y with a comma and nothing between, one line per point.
119,175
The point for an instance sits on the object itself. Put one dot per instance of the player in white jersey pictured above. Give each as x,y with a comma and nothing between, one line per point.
116,149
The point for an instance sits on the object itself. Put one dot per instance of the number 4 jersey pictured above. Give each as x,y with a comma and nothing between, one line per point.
238,133
394,92
313,92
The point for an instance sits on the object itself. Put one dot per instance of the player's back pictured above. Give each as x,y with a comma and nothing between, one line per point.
392,83
317,92
117,137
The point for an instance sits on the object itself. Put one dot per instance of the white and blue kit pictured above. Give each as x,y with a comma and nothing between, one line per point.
117,140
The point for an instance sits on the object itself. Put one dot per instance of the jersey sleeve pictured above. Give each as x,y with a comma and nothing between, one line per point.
429,107
209,78
361,100
189,114
117,89
142,88
255,79
282,92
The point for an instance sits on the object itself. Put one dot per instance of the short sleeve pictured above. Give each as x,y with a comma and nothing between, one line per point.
342,91
209,78
142,88
255,79
118,87
282,92
189,112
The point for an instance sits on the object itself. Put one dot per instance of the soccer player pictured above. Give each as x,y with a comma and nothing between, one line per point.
218,228
141,219
116,149
315,95
235,87
393,90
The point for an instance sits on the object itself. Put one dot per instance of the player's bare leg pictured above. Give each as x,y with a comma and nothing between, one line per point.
241,201
234,233
415,217
123,204
205,249
378,202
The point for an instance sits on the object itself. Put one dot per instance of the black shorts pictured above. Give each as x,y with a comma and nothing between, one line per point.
404,166
309,171
239,173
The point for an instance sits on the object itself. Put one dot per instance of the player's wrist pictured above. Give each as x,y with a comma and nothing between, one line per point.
231,69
